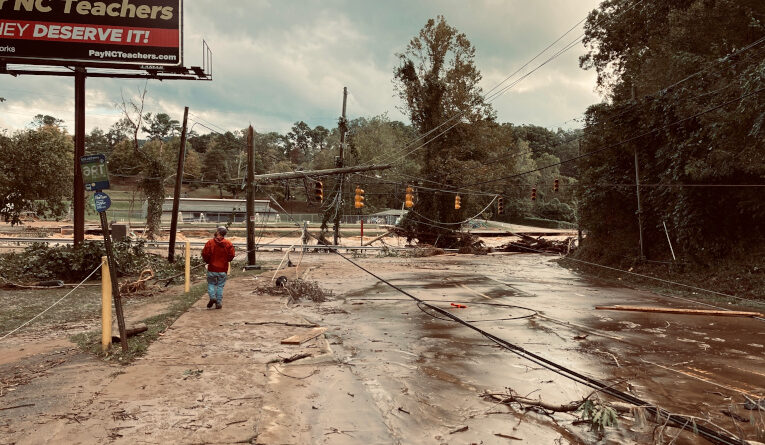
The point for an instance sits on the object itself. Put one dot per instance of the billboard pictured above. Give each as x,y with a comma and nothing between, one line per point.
123,33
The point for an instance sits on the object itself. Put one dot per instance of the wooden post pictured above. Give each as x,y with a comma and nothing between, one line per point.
113,276
106,305
78,199
177,193
187,274
339,204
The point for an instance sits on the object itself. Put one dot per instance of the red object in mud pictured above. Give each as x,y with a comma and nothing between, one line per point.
459,306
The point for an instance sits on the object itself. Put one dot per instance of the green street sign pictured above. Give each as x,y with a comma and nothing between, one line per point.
95,174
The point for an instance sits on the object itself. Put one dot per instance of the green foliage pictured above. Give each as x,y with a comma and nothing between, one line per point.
644,49
160,126
71,264
36,174
599,415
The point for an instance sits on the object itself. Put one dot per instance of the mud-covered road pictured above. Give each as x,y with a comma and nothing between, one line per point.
388,372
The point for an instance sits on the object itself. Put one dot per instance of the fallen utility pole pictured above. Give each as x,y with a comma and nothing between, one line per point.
666,310
312,173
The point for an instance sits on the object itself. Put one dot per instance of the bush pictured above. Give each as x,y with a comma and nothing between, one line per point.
68,263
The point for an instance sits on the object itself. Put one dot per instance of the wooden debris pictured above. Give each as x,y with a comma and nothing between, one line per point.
17,406
667,310
302,338
296,357
506,436
459,430
131,331
388,233
138,285
282,323
529,244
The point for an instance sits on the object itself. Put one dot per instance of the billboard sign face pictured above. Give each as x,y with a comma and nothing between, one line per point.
120,33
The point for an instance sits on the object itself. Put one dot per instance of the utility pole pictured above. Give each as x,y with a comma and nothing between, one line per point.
580,238
177,192
251,200
637,192
78,199
339,164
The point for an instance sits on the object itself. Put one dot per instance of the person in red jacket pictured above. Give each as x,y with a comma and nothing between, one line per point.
217,253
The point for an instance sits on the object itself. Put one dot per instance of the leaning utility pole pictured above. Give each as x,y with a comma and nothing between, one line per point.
339,164
637,192
251,200
177,192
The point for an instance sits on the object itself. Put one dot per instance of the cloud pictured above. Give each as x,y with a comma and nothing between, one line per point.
276,63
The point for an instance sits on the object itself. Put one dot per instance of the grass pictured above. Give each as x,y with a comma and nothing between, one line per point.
138,345
21,305
729,279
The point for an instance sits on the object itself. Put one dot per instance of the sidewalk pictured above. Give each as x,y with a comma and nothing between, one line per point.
206,380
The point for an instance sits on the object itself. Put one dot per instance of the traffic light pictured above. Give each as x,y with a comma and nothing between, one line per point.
409,202
319,191
457,202
533,194
500,206
556,184
359,198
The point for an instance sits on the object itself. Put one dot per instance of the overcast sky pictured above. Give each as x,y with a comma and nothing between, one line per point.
279,62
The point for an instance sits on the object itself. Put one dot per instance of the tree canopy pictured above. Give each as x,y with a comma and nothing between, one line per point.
698,104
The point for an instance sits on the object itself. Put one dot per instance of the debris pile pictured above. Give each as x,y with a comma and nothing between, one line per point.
296,290
529,244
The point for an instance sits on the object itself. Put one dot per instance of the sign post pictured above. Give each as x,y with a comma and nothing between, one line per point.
95,174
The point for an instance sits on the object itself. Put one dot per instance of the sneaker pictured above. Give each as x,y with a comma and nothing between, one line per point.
218,306
210,304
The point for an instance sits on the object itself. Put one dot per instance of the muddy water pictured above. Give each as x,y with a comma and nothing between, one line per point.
424,376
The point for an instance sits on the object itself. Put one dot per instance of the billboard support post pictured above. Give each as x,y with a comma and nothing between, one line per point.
139,43
78,198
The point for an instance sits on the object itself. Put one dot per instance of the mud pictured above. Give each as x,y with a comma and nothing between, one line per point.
387,371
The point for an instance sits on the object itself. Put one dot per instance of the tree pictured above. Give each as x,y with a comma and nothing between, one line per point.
38,175
160,126
652,51
44,120
437,81
97,142
155,159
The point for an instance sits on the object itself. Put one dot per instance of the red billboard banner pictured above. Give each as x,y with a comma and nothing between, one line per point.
81,32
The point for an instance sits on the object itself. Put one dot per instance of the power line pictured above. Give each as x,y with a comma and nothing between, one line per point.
662,91
617,144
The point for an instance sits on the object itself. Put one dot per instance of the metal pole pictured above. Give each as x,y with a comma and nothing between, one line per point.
177,193
115,285
78,198
340,165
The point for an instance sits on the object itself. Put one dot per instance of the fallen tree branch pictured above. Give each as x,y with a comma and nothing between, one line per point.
282,323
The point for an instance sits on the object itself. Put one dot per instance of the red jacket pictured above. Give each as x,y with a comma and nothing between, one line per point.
217,254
